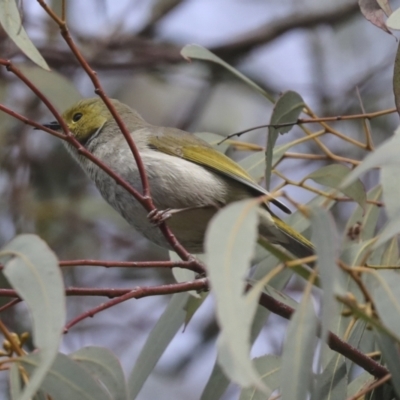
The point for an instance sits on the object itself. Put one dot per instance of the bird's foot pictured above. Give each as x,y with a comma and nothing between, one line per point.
157,217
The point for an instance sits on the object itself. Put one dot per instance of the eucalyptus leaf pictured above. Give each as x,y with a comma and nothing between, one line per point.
364,219
359,383
32,270
198,52
387,298
390,353
332,175
11,22
393,22
66,379
298,352
269,368
102,364
373,12
385,154
230,242
163,332
324,237
332,382
286,111
218,382
51,84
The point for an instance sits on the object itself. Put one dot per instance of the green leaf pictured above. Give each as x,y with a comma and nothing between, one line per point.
181,274
386,154
332,175
10,20
254,165
160,337
393,22
269,368
218,382
366,219
324,238
34,273
103,365
286,111
200,53
387,298
332,382
66,379
390,353
15,382
230,242
298,352
51,84
391,253
362,381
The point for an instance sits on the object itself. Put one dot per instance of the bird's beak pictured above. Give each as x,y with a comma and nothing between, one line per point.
52,125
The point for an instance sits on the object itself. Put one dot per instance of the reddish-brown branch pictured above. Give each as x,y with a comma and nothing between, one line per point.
191,265
334,341
199,284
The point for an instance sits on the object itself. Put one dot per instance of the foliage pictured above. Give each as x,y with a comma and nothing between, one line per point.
353,276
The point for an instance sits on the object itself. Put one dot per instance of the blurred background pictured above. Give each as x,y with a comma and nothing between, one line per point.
324,50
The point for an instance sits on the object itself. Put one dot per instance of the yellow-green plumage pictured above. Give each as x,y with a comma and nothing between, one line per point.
185,173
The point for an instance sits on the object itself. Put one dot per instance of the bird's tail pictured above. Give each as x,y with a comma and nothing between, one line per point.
277,231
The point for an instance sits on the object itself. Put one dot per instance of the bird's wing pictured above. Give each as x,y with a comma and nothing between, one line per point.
172,142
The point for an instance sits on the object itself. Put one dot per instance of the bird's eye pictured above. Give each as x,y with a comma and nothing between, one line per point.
76,117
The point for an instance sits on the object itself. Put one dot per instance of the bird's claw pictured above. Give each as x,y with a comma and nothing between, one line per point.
157,217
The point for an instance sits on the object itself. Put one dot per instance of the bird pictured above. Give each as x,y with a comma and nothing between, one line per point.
189,180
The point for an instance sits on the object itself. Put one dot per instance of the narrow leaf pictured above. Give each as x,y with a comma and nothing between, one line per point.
332,175
298,352
66,379
386,154
324,237
269,368
103,365
373,12
387,298
10,20
160,337
230,242
393,22
34,273
390,353
200,53
286,111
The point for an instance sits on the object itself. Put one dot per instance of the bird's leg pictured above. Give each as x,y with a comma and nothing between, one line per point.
157,217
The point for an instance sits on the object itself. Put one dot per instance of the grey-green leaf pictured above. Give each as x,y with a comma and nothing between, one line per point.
66,379
387,298
269,368
51,84
103,365
198,52
34,273
10,20
286,111
390,354
230,241
324,237
332,175
298,352
160,337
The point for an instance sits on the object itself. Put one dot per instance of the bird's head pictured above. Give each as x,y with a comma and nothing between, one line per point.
86,118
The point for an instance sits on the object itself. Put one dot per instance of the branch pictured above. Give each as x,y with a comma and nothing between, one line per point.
146,199
199,284
271,30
